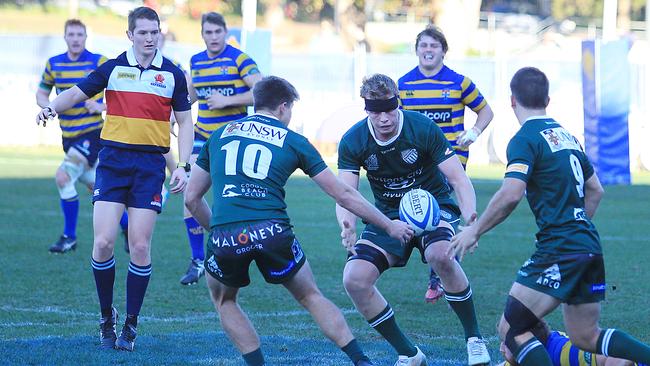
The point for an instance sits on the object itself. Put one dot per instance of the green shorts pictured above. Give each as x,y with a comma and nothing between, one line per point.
378,237
572,278
270,243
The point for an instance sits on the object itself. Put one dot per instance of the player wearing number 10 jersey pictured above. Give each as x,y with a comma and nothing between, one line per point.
248,162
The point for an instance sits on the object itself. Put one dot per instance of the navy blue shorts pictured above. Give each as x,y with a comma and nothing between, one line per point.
88,144
134,178
270,243
199,141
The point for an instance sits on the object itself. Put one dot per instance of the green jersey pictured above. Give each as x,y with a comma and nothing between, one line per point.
407,161
554,166
249,161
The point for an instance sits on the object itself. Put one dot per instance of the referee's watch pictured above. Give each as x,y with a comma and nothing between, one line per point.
186,166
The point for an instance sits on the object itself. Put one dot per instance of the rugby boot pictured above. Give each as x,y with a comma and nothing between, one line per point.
418,360
63,245
477,353
126,341
107,335
434,291
194,272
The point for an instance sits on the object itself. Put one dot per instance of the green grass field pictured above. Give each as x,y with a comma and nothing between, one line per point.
49,308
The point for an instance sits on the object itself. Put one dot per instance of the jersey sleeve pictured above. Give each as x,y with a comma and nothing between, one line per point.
47,80
347,159
203,160
438,145
102,60
246,66
181,97
521,158
310,159
471,96
97,81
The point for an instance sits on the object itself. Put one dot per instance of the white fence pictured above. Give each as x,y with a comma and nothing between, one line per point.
328,84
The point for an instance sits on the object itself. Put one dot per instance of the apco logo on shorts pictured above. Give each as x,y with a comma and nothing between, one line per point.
438,115
551,277
256,131
156,200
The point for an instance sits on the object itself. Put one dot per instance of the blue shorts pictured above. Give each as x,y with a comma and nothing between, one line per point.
88,144
134,178
199,141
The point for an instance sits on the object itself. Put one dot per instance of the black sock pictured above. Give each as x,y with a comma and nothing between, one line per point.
354,352
255,358
386,325
615,343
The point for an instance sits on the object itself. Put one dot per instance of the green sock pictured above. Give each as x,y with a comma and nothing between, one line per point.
463,305
255,358
615,343
386,325
354,352
533,353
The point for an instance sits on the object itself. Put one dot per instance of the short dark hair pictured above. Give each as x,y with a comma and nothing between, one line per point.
378,86
142,12
213,18
435,33
72,23
272,91
529,86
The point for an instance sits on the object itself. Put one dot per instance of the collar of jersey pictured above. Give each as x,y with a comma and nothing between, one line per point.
271,119
400,123
537,117
157,59
82,56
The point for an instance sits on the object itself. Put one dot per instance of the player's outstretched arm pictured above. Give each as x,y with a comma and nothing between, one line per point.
62,102
593,194
178,179
501,205
346,219
43,97
350,199
483,119
198,186
453,170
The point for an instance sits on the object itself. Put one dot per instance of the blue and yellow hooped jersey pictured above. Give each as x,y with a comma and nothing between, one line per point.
223,74
442,98
62,73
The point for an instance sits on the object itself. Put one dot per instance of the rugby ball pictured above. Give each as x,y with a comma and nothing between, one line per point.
420,210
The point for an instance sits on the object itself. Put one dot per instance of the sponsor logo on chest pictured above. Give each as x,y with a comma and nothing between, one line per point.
256,131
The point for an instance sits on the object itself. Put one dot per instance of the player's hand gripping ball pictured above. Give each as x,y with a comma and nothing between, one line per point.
420,210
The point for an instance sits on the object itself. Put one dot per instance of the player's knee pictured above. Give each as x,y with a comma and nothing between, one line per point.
103,244
520,320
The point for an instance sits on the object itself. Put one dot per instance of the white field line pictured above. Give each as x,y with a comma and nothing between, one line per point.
93,317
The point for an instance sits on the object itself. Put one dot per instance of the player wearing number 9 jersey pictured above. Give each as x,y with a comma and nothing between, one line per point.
548,165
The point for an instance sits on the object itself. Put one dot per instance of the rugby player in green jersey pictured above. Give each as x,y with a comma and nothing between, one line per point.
548,165
400,151
442,94
248,162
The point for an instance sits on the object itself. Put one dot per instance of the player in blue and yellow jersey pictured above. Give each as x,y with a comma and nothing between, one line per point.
222,79
563,352
441,94
80,126
548,166
142,90
247,163
402,150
